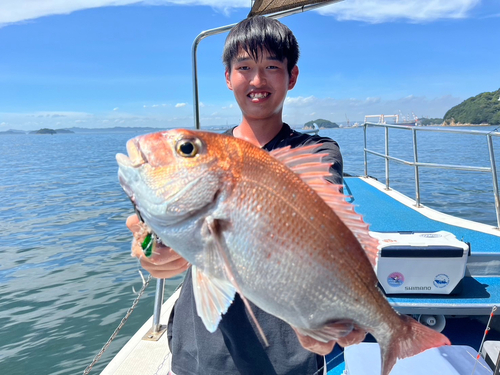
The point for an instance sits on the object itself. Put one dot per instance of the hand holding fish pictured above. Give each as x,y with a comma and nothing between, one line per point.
323,348
164,263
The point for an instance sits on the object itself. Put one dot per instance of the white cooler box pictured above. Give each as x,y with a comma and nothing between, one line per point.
364,359
420,262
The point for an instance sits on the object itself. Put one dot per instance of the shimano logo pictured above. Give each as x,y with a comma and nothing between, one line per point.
418,288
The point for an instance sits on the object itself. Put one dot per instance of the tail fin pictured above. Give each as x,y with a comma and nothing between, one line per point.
413,339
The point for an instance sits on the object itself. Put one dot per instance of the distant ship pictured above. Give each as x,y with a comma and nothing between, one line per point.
382,119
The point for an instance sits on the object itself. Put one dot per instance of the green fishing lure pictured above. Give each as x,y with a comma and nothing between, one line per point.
148,245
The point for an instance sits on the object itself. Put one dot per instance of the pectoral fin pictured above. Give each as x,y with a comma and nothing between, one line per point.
212,297
216,250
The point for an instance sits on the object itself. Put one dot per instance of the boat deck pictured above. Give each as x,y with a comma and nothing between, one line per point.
392,211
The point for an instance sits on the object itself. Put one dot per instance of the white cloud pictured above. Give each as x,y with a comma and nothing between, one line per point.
377,11
300,110
373,11
115,109
22,10
299,101
180,105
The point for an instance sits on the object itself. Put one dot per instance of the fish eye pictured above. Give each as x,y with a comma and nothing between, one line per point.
187,148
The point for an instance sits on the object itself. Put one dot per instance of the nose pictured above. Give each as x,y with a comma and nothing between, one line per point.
259,78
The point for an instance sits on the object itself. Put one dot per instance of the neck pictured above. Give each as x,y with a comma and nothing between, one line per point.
259,133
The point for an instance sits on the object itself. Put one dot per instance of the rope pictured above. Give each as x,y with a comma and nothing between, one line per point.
122,323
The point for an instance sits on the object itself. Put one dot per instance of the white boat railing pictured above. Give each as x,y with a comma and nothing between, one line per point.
416,164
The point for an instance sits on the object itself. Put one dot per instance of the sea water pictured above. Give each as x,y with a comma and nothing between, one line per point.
66,276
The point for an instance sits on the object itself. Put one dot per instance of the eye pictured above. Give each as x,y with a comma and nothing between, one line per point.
187,148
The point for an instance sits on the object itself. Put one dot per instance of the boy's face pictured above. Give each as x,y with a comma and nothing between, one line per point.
260,87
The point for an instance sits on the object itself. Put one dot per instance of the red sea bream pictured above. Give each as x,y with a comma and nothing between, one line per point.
266,225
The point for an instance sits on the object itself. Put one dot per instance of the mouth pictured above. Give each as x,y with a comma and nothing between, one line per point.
136,157
257,96
126,164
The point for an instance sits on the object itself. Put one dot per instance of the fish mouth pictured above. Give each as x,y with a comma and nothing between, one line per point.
135,157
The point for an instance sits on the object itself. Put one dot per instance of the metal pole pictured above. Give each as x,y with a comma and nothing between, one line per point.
494,176
160,286
366,154
415,160
194,48
386,158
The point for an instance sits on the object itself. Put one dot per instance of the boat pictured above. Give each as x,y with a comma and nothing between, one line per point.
464,315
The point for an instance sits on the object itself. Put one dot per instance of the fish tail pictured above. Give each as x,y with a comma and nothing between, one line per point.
411,340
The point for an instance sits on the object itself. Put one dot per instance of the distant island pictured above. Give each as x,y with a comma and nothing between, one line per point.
12,131
51,131
116,129
322,124
480,109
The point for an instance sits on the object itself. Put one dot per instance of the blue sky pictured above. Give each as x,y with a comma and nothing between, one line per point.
105,63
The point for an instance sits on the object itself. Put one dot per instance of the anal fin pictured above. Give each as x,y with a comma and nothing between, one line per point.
329,332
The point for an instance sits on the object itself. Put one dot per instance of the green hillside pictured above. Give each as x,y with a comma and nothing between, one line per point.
480,109
321,123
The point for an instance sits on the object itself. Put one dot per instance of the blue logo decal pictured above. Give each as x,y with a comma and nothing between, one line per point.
395,279
441,280
430,235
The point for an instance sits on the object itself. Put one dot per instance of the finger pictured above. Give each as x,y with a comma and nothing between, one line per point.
169,266
315,346
133,223
163,254
355,337
162,274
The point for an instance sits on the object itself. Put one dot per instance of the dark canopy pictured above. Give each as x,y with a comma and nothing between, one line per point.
263,7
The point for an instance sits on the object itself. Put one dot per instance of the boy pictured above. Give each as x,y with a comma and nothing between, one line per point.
260,57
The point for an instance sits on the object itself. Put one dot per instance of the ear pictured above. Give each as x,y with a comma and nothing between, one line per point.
228,80
293,77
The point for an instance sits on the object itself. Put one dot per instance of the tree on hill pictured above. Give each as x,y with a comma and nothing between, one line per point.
45,131
321,123
431,121
480,109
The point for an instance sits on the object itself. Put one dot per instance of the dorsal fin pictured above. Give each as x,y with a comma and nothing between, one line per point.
310,168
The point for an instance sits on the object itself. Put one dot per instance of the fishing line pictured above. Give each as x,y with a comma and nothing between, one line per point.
327,363
494,308
143,282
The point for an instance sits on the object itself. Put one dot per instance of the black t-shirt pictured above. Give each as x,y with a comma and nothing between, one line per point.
235,347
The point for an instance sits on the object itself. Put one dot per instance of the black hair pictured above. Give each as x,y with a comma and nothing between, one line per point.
257,34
